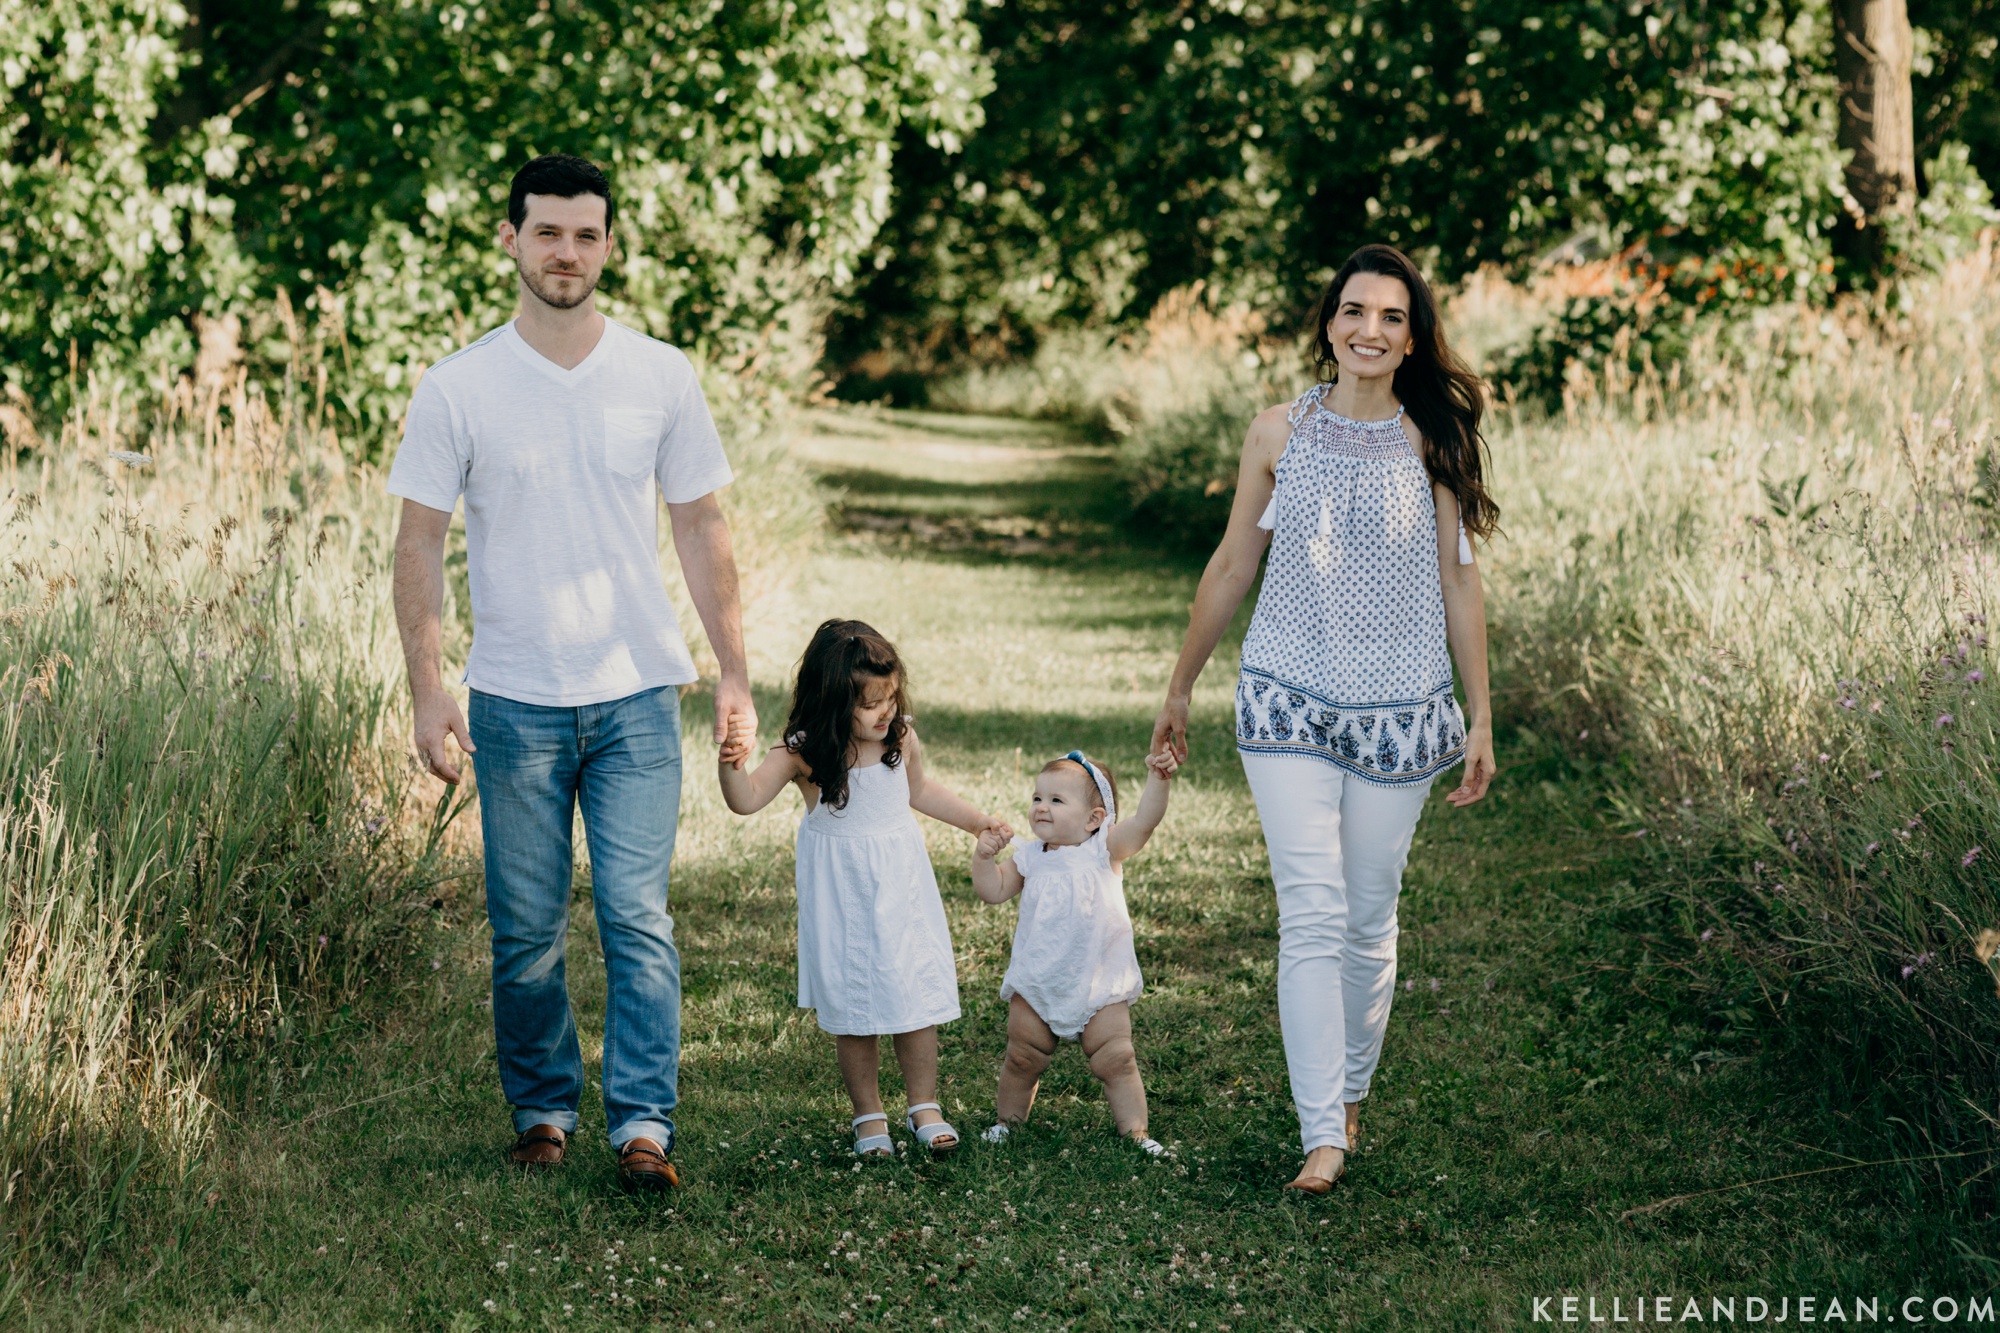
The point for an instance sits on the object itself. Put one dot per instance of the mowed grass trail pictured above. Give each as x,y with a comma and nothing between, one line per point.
1531,1092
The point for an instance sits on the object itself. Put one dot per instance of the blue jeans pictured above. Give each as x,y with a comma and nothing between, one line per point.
622,762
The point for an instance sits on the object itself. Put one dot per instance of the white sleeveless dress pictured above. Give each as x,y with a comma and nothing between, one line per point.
1073,951
874,950
1346,658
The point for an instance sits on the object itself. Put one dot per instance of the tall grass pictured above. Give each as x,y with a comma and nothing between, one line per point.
211,835
1758,591
205,821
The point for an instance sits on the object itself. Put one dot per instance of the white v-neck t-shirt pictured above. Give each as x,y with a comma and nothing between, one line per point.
559,470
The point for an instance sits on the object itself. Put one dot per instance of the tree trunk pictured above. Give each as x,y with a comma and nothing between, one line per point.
1872,49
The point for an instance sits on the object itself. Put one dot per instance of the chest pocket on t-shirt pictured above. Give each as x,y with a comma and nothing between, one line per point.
631,440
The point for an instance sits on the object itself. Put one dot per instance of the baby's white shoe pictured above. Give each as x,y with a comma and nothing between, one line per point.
997,1134
1153,1147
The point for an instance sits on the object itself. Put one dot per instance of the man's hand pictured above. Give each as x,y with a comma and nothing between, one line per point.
735,720
438,717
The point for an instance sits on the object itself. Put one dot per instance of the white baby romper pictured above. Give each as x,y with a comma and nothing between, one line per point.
874,950
1073,950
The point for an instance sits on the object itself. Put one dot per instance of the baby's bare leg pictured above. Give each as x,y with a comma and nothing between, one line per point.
1030,1046
1107,1041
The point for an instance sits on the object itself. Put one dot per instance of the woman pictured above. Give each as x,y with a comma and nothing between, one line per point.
1367,488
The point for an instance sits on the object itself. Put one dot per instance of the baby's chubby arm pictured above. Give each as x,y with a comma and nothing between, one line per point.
1129,834
993,881
746,790
940,802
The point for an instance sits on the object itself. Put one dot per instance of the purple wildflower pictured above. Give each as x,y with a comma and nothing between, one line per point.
1970,856
1945,720
1974,677
1708,935
1871,849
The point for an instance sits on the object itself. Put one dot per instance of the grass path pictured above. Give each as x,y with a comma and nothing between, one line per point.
1530,1094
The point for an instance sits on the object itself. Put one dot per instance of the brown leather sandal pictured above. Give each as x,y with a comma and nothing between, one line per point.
527,1149
642,1167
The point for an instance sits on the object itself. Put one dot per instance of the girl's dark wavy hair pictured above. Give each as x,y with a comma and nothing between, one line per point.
834,674
1443,397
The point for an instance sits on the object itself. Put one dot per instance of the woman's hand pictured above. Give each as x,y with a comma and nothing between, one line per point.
1163,763
1170,730
1479,766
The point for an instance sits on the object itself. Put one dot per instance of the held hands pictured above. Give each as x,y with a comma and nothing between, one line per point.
738,742
991,842
994,825
1164,764
1479,767
735,721
1170,731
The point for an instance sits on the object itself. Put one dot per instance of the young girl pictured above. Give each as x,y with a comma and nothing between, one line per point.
874,951
1073,973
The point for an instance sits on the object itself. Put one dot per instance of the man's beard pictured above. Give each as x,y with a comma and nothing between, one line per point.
550,298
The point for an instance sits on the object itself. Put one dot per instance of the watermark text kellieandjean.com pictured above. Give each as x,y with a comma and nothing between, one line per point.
1592,1309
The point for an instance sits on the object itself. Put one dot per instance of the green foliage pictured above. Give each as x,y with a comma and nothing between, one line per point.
110,236
1252,145
362,153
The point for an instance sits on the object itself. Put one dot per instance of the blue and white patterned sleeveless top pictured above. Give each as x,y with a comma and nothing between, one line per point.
1346,658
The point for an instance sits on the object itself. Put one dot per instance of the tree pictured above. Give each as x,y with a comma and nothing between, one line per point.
1873,45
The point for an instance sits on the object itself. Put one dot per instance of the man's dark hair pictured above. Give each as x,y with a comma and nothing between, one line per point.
562,175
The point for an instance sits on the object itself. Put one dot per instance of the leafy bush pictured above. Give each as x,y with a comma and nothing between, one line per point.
1128,152
355,158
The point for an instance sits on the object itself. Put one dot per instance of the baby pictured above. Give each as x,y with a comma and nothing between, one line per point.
1073,973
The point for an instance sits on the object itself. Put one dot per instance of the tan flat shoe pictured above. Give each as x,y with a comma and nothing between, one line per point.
1306,1184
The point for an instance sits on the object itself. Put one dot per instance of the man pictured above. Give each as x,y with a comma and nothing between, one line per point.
556,429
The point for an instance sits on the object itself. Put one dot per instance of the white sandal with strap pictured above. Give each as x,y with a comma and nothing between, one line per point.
928,1135
873,1145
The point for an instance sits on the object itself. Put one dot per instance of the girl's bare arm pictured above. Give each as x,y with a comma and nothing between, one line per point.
1128,835
937,800
994,881
748,791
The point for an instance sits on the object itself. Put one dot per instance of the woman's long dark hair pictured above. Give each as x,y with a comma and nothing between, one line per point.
1442,396
840,662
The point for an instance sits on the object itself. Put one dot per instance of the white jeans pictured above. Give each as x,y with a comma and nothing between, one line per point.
1338,845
